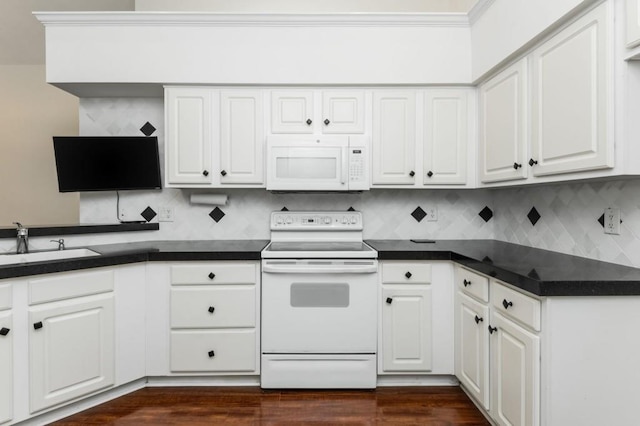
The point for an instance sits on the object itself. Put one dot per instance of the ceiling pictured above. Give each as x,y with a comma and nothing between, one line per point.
22,36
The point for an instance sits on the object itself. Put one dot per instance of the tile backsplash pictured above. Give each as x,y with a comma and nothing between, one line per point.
566,215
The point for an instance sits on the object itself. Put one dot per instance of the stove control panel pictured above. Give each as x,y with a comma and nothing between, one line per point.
321,221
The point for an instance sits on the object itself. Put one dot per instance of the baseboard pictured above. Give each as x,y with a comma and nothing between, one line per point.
424,380
203,381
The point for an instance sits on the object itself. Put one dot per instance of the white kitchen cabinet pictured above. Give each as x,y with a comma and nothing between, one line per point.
189,135
503,125
6,366
335,111
241,137
71,336
406,317
215,318
394,137
572,98
445,136
632,23
515,373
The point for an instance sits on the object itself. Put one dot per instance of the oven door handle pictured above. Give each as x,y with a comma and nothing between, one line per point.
306,268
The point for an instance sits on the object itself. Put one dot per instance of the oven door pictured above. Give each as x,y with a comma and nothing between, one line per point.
319,306
308,165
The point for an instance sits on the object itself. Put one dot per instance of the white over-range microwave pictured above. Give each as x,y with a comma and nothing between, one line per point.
321,163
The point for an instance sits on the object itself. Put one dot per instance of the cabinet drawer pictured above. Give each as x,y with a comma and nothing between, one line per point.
69,285
473,284
5,296
214,273
214,350
213,307
515,305
406,273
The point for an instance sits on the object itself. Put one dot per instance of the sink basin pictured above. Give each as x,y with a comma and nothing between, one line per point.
12,259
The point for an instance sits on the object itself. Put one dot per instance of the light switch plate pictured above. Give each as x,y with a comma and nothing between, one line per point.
612,221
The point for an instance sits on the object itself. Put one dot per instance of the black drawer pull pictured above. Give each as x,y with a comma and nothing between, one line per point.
4,331
389,300
212,354
309,121
478,320
466,282
326,121
506,304
205,173
37,326
408,275
211,309
211,275
492,329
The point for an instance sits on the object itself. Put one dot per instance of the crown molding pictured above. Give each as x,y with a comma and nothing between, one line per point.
478,10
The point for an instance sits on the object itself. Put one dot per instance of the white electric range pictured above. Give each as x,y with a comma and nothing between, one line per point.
319,302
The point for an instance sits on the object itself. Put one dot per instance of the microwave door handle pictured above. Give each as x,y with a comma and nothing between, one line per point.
345,169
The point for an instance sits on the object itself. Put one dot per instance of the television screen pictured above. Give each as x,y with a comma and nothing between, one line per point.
107,163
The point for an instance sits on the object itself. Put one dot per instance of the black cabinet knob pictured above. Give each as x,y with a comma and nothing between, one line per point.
466,283
412,173
516,166
478,319
429,173
211,275
389,300
4,331
211,309
506,304
532,162
37,326
309,121
212,354
408,274
223,172
492,329
205,173
326,122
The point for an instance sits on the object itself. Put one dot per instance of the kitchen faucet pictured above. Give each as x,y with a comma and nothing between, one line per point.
22,241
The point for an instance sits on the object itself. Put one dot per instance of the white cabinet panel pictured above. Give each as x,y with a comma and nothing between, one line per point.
292,111
503,125
343,111
445,137
472,347
571,98
213,307
214,350
71,349
633,22
406,329
188,116
6,367
394,138
241,137
515,374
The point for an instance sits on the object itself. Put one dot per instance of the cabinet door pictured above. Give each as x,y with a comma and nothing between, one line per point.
472,347
241,137
394,140
503,125
445,137
515,374
6,367
292,111
188,114
406,329
572,98
71,349
343,111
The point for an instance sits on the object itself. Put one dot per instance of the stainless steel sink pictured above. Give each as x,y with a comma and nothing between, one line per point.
13,259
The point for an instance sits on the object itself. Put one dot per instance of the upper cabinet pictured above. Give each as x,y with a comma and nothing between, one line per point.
503,125
188,118
394,137
571,94
309,111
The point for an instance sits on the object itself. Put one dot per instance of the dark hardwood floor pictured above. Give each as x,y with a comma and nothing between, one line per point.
253,406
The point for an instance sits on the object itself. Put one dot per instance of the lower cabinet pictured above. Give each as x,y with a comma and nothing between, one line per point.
71,337
497,348
6,367
215,311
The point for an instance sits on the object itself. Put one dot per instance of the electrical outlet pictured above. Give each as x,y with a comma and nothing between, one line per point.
165,214
612,221
432,214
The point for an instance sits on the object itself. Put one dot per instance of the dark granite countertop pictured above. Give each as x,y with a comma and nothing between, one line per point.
537,271
118,254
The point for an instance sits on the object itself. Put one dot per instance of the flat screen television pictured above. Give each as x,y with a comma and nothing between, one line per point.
107,163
